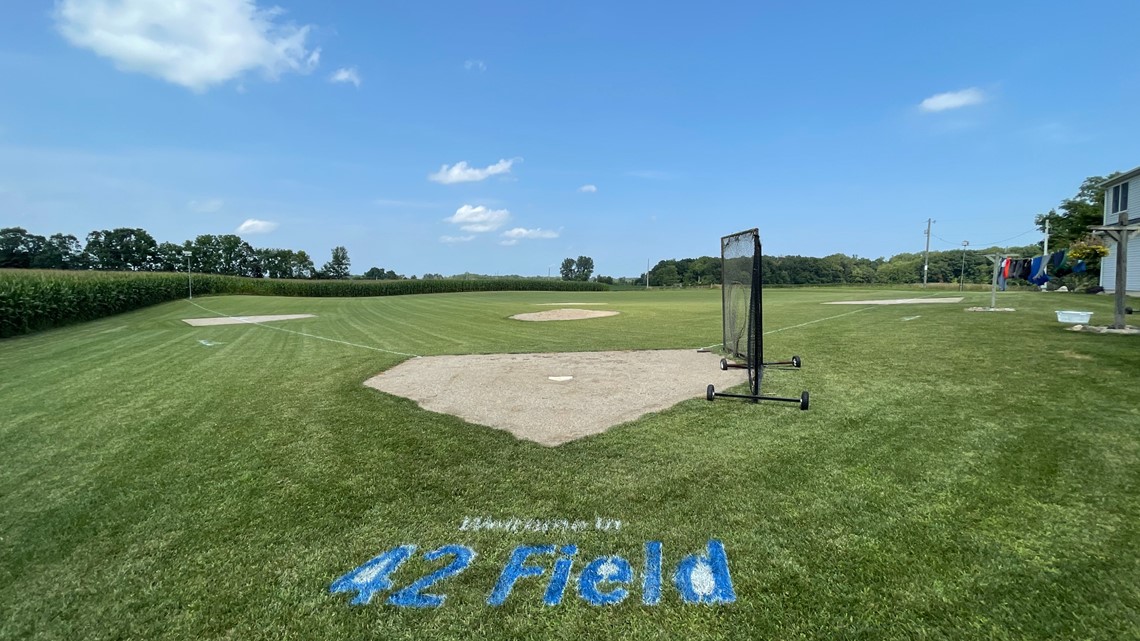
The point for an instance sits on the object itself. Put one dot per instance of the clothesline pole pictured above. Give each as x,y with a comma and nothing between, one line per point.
996,259
993,286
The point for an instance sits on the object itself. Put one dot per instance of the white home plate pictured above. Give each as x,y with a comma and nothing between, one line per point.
560,379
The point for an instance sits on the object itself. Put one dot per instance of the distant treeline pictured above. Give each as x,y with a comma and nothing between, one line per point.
839,269
135,250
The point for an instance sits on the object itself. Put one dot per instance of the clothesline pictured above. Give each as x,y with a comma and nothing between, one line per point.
1035,270
986,245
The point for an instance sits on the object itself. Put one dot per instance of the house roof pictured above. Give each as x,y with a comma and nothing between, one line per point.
1128,175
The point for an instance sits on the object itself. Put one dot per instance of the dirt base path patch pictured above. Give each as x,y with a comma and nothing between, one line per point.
564,314
555,398
241,320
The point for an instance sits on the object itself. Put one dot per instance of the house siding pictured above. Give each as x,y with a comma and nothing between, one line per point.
1108,263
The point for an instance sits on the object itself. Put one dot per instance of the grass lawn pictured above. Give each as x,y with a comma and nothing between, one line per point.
959,475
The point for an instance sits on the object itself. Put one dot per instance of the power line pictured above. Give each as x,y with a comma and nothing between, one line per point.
944,240
996,243
1008,239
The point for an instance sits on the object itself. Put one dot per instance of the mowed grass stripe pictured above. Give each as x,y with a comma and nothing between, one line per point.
930,492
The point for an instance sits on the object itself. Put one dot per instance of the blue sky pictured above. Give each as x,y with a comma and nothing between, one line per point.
502,137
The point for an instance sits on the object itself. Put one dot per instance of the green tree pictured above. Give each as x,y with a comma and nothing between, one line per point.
337,267
60,251
122,249
1077,214
666,276
567,269
169,258
207,258
583,268
18,248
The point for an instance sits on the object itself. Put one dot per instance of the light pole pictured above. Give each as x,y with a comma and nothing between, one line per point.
962,273
926,254
189,278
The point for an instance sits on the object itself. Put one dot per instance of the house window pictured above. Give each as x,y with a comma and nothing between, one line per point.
1120,198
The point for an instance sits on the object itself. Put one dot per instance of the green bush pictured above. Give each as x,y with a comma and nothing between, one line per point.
34,300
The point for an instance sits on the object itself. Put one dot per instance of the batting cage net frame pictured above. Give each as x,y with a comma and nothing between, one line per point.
742,309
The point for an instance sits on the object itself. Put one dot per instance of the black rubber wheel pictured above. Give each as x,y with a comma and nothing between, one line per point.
804,401
724,364
796,362
710,393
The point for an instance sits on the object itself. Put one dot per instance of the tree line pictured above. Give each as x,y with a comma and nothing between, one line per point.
839,269
134,249
1068,226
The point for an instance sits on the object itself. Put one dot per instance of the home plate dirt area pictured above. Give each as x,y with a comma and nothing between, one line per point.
552,399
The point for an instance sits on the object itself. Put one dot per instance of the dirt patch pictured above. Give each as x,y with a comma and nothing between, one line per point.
990,309
898,301
591,391
557,304
564,314
242,320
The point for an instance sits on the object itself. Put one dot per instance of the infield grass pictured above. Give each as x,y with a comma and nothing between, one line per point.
959,475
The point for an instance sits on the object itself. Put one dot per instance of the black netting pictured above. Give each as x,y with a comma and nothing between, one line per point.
740,294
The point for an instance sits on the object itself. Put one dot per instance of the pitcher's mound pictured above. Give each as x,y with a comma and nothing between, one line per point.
564,314
552,399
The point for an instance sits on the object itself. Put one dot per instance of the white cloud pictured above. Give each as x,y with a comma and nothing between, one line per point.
475,65
456,239
206,206
346,74
255,226
588,189
193,43
953,100
519,233
479,219
461,173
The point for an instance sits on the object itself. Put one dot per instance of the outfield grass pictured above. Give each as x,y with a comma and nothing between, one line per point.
960,475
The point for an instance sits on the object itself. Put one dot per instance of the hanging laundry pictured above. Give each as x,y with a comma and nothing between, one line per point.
1037,268
1059,260
1024,267
1080,267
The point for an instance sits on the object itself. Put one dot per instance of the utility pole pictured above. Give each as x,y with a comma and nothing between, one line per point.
647,261
926,254
962,273
997,260
189,278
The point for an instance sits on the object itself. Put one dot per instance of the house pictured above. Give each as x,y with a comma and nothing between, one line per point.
1122,194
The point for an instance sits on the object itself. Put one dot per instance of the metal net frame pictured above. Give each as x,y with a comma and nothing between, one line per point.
741,302
742,287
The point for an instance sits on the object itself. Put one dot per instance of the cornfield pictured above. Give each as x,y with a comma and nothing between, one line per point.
34,300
